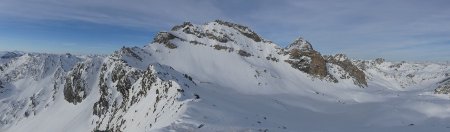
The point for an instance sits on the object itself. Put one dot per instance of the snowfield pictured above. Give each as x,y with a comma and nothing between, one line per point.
217,76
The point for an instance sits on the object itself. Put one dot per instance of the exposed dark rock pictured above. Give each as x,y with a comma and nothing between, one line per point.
190,29
379,60
194,31
310,62
26,114
185,24
220,47
300,44
443,87
197,96
398,65
180,90
270,57
148,79
197,43
353,71
129,52
102,105
214,34
123,83
242,29
164,38
362,64
132,86
75,86
121,78
304,58
223,38
410,75
188,77
244,53
124,79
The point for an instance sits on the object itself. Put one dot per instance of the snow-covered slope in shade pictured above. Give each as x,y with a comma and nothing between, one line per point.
219,76
5,56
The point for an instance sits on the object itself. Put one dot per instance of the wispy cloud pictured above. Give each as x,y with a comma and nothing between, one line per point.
140,13
361,28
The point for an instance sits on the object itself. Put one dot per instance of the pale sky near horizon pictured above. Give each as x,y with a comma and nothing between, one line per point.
414,30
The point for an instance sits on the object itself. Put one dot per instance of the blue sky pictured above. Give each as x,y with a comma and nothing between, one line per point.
364,29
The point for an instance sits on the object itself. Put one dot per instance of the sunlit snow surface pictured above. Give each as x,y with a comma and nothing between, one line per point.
236,93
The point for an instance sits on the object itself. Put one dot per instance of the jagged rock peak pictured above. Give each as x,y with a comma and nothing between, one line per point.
301,44
304,58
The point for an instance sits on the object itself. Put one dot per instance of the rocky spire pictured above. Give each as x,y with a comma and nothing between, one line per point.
304,58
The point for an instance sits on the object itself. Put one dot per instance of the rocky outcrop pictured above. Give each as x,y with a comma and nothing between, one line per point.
164,38
158,88
443,87
242,29
184,25
189,28
221,47
358,76
244,53
304,58
272,58
379,60
115,77
102,105
127,51
77,82
75,86
215,34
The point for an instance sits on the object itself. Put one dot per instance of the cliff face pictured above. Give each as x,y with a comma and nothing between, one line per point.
310,62
303,57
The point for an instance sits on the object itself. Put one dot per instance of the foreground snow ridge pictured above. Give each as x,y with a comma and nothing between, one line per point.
219,76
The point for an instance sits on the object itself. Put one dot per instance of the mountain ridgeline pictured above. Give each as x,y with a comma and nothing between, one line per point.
301,54
217,76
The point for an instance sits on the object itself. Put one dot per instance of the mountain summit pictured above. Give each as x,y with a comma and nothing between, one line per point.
301,44
219,76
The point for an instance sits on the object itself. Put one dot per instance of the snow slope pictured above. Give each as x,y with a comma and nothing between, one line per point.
218,76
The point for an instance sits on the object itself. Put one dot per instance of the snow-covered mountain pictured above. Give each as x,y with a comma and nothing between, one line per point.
220,76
